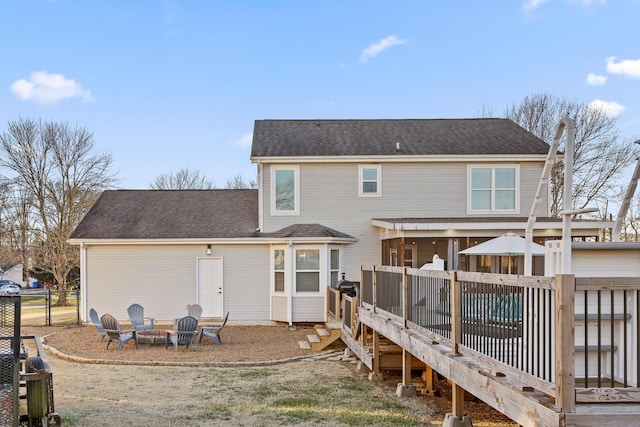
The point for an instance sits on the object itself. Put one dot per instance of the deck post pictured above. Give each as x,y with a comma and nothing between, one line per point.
457,392
405,389
374,375
429,381
456,313
565,342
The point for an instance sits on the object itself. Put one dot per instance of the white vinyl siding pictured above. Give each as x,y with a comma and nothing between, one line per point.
279,307
410,190
307,309
119,275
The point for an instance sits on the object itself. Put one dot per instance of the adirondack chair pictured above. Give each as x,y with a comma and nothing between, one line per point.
116,333
183,333
213,331
194,310
93,315
136,315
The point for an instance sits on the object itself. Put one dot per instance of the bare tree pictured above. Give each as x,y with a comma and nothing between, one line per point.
600,157
54,164
184,179
238,182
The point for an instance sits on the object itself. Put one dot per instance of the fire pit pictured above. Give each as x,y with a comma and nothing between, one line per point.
152,336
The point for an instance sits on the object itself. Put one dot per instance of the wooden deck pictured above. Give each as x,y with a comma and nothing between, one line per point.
529,375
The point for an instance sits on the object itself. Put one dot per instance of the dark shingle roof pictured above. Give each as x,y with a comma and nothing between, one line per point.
171,214
306,230
284,138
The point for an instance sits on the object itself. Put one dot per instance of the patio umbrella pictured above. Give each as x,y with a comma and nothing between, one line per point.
509,244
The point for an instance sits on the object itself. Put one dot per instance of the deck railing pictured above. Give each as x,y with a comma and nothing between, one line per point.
524,325
608,339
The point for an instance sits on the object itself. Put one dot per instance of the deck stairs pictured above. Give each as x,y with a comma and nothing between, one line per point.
323,336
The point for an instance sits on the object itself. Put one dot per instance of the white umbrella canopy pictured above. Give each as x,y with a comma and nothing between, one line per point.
506,245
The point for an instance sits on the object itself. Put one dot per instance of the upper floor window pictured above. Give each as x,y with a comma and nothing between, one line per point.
370,180
285,190
493,189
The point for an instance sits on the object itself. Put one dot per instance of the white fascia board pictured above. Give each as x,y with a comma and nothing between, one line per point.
239,241
403,159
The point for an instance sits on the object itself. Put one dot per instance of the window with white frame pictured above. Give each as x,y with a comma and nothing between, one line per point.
285,190
307,270
278,270
493,188
370,181
334,265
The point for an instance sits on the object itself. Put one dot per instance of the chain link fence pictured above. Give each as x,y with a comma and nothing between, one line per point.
48,307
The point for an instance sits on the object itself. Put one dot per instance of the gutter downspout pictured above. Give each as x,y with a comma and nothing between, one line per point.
542,185
83,282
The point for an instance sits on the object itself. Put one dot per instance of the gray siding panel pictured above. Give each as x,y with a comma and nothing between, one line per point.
279,308
309,309
329,196
119,275
246,281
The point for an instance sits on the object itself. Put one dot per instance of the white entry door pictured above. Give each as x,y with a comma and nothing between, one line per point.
210,286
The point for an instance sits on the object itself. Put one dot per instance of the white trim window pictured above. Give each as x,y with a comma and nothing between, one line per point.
369,180
334,266
307,265
285,190
278,270
493,189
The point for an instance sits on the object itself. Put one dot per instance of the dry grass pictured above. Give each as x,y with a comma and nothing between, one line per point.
307,392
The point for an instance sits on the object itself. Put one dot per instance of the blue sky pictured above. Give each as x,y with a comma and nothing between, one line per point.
165,85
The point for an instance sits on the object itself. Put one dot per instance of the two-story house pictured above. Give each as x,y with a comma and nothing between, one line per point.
332,195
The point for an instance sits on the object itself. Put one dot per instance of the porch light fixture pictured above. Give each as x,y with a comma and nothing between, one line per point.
208,249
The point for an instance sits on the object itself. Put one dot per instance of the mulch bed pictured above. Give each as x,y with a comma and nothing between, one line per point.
240,345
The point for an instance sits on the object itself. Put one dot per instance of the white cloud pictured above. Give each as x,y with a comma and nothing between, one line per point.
530,5
627,67
244,141
49,88
610,107
596,79
379,47
589,2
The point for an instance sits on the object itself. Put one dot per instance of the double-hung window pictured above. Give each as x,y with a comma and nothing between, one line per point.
278,270
493,188
285,190
370,180
307,270
334,266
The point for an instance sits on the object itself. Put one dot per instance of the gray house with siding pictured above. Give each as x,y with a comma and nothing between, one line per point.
332,195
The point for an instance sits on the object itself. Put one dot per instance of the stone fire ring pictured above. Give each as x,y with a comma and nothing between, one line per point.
152,336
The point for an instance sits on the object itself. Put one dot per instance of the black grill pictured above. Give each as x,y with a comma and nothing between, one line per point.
346,287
